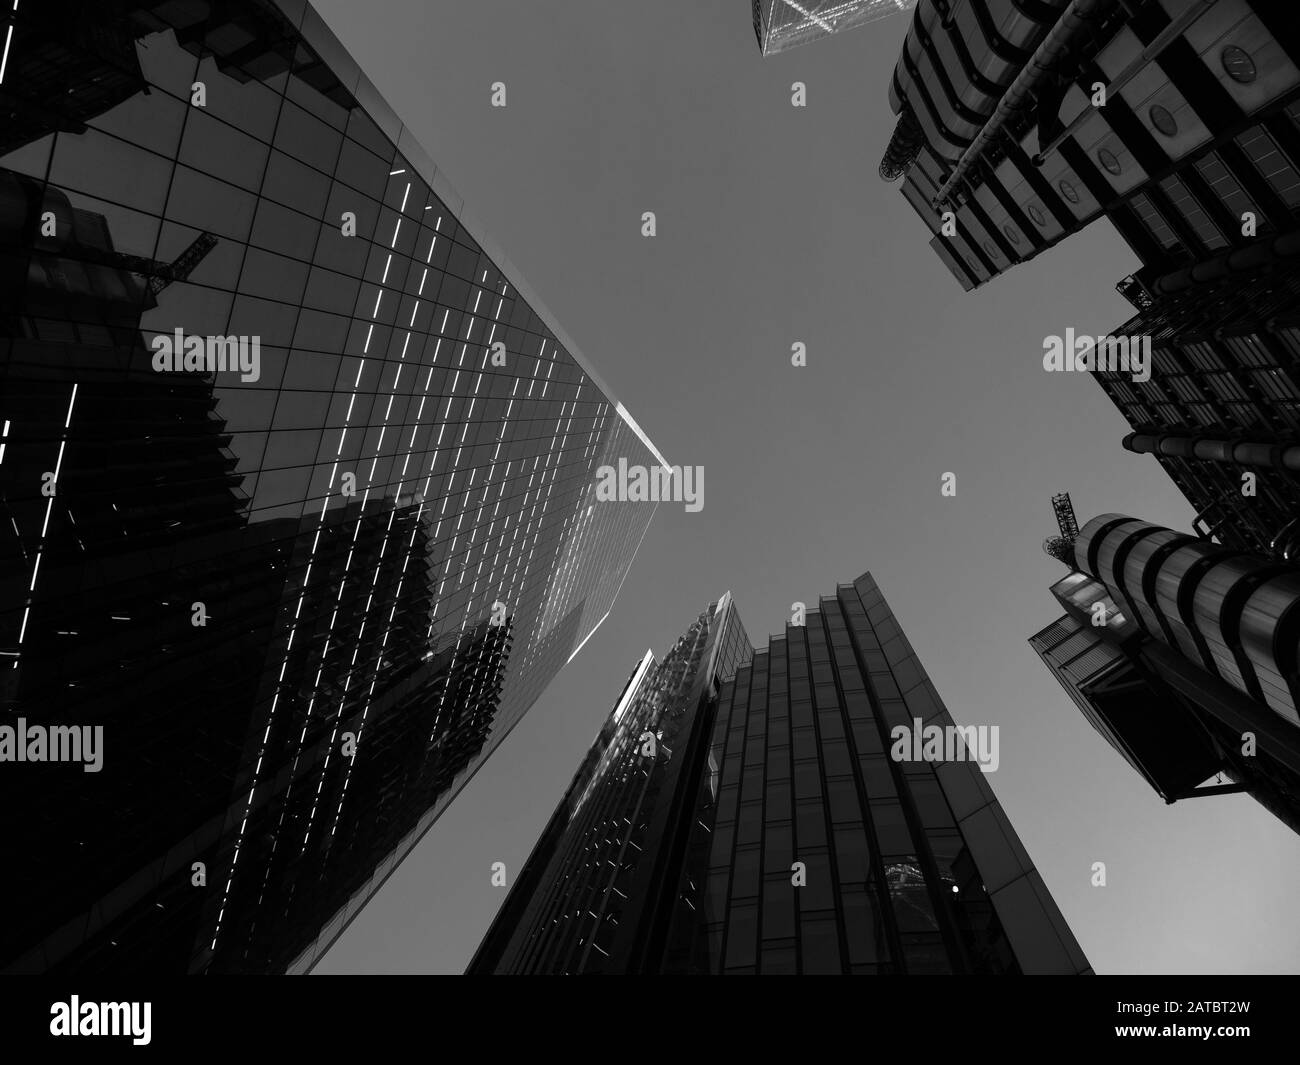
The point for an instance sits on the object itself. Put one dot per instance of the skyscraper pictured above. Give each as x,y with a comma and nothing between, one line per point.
1221,410
297,480
594,888
1174,119
1182,654
785,24
1179,122
783,813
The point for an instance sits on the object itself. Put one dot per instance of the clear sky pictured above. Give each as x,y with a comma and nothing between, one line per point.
774,227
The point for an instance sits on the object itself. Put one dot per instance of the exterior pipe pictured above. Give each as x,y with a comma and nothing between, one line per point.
1237,452
1167,36
1076,17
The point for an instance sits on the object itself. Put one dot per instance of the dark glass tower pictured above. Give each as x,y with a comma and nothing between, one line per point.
595,893
304,598
1182,654
682,856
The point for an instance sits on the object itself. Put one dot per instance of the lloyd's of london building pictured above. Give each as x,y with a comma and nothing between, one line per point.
1179,122
303,599
1184,654
749,811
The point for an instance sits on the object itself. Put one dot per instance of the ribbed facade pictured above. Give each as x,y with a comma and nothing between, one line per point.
1234,614
1179,122
1199,126
1182,653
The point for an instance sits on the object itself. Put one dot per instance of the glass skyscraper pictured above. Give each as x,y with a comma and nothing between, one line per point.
297,483
594,892
755,813
784,24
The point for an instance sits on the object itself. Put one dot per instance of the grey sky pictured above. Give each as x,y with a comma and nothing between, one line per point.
774,228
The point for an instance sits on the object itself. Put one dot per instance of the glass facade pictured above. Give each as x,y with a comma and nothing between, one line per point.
590,897
784,24
297,487
908,867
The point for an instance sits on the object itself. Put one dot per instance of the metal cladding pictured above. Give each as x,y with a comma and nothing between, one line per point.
1036,77
1081,595
952,120
1235,614
1170,118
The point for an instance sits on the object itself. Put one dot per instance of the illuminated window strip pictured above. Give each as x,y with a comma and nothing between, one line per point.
348,564
252,788
491,471
554,467
365,614
9,36
466,422
392,611
49,508
339,714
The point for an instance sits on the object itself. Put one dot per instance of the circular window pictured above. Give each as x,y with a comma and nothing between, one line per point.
1039,219
1107,159
1068,190
990,251
1163,120
1237,64
1011,233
